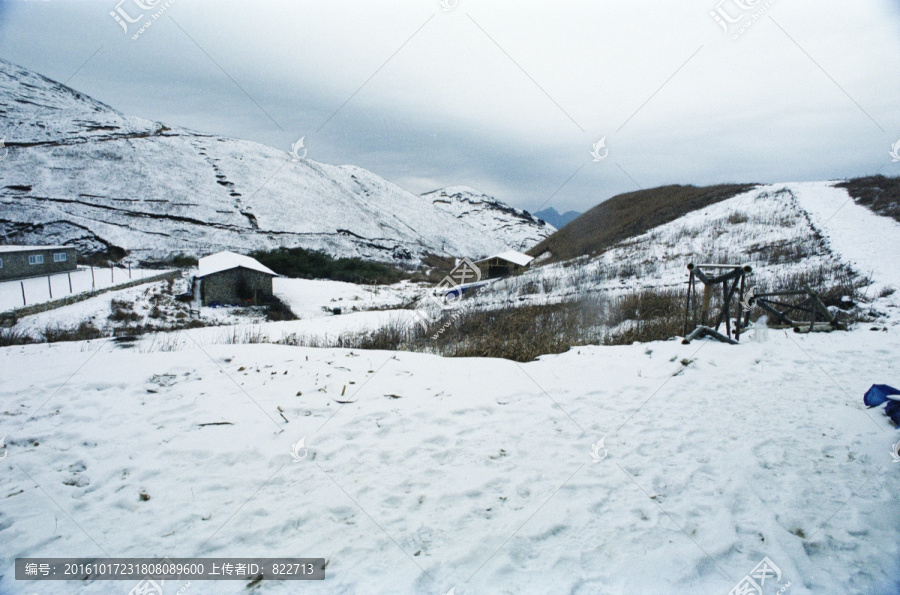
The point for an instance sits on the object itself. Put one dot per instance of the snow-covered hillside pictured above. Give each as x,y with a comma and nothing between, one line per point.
517,229
769,228
78,172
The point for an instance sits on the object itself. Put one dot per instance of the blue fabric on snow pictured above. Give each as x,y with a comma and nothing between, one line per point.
893,411
878,394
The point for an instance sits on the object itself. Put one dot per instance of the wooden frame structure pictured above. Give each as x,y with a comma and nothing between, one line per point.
733,284
732,278
811,305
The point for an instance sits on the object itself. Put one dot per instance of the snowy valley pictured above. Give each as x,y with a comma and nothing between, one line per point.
260,355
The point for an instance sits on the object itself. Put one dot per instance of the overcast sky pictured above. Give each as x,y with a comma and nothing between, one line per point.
506,96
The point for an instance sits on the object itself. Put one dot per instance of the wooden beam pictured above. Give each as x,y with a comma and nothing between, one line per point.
687,309
704,307
704,331
775,313
741,313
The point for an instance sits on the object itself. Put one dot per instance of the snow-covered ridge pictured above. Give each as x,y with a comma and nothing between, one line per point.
519,229
37,110
769,227
78,172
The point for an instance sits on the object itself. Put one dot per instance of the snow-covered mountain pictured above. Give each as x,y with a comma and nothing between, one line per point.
79,172
520,230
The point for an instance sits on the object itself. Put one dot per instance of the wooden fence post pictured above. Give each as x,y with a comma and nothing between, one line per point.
93,281
70,282
49,287
24,303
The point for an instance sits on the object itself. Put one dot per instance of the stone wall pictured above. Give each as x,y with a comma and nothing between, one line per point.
237,286
12,315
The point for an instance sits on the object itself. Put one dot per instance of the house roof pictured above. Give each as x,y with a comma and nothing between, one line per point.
31,248
224,261
511,256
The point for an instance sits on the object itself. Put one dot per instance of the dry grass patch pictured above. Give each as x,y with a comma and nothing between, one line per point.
628,215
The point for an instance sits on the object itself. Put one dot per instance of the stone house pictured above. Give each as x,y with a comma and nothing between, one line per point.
20,262
230,279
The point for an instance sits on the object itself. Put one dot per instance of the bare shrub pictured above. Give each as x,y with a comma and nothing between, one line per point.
519,333
784,252
654,315
878,193
83,332
391,336
12,336
278,311
164,342
242,335
529,287
737,218
122,311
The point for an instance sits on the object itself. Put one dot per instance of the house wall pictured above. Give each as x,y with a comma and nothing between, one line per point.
15,264
495,267
226,287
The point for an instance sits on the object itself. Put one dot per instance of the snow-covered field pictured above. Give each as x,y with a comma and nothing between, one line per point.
313,301
310,298
866,241
324,329
38,290
473,474
96,311
424,474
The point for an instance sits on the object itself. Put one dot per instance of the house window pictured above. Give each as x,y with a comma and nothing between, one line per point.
59,257
1,263
35,259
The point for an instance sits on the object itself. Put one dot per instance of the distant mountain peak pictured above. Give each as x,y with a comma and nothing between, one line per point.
457,191
557,220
